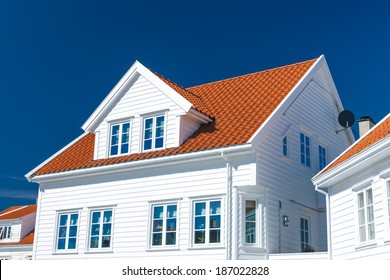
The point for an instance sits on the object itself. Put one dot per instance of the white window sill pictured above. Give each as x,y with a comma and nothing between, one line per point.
66,253
386,242
364,246
206,247
163,249
99,252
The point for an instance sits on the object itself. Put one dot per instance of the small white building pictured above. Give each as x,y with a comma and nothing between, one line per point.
216,171
17,232
357,185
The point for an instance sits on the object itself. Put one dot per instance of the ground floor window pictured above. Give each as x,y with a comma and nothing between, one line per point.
366,215
100,236
164,225
207,222
305,234
67,231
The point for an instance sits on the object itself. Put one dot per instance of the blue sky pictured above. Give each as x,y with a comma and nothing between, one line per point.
59,59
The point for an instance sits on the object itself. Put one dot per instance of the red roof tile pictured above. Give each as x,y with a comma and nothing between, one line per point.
239,106
377,133
16,212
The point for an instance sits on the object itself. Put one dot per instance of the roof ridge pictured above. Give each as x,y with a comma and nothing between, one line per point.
253,73
13,210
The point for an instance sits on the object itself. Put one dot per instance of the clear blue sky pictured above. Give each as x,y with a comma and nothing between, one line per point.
59,59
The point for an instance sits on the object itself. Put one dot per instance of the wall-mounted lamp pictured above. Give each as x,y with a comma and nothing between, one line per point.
285,220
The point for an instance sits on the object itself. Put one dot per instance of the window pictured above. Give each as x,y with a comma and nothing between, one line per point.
67,231
366,215
250,222
305,149
164,225
284,143
100,229
322,157
207,222
388,200
154,132
305,234
120,136
5,232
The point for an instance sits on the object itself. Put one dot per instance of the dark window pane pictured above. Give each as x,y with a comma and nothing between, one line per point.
72,243
215,236
200,237
94,242
61,244
159,143
158,212
63,220
200,222
215,207
215,221
72,231
157,239
171,225
106,241
170,238
200,208
147,144
157,225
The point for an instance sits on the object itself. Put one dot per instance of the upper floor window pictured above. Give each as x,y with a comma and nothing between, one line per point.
366,215
305,149
5,232
154,128
322,157
164,220
67,231
285,146
119,139
207,222
100,229
305,234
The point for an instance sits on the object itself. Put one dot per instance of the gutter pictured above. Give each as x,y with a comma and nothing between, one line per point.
328,224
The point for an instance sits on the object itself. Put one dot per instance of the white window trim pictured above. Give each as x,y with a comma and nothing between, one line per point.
310,241
192,245
326,155
66,251
151,247
259,214
110,124
287,146
145,116
362,188
88,235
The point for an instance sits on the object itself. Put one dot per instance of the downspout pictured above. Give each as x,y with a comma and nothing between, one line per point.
37,223
228,208
328,229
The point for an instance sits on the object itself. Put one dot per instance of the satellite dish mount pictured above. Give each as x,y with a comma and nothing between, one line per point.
346,120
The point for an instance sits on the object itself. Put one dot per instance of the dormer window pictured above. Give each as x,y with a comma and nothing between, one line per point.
154,128
119,138
5,232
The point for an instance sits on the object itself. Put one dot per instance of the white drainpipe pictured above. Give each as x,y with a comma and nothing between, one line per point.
228,208
328,229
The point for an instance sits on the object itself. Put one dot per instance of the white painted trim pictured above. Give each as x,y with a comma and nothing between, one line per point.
143,164
294,91
29,174
376,150
136,69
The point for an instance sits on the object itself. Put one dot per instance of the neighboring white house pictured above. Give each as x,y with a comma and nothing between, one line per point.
216,171
357,184
17,232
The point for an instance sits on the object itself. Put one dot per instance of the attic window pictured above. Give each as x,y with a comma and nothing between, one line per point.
119,138
5,232
154,131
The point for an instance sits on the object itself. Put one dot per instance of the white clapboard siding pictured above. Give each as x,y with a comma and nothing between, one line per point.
314,112
132,105
344,223
131,195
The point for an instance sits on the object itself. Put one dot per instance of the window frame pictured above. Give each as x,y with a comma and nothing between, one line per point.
305,149
364,191
164,231
120,123
153,116
285,146
67,234
207,227
100,248
257,221
322,156
305,243
4,235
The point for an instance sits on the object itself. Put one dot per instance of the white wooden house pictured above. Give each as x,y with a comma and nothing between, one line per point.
357,185
216,171
17,232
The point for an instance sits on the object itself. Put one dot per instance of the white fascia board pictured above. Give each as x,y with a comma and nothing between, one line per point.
29,174
290,96
136,69
364,160
317,177
171,160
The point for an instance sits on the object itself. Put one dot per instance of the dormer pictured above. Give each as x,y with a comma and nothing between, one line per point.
144,112
16,222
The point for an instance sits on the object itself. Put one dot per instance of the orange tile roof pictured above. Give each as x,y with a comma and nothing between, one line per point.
377,133
239,106
27,240
16,212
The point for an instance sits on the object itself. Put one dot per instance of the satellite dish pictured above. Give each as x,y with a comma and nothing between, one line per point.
346,118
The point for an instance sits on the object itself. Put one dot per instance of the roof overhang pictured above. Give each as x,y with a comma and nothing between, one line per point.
121,88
